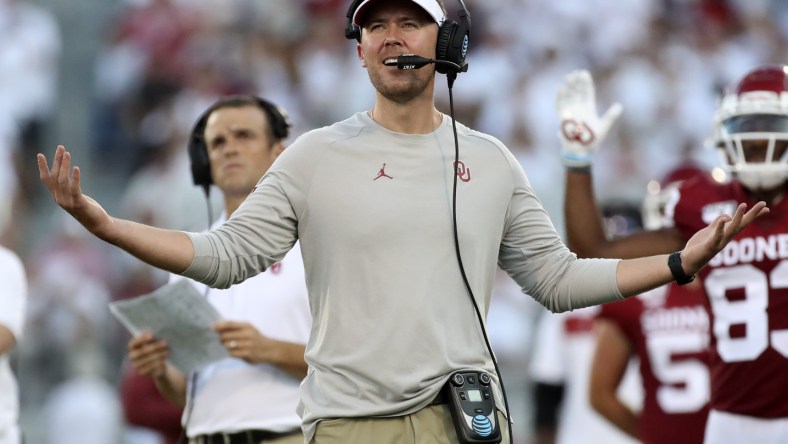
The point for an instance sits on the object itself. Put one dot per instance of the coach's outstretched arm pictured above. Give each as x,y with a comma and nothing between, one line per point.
166,249
638,275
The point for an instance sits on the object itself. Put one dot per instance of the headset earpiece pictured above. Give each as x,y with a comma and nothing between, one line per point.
452,43
443,49
278,120
352,32
198,154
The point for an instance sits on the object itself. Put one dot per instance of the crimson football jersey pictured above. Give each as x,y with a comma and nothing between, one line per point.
668,329
747,297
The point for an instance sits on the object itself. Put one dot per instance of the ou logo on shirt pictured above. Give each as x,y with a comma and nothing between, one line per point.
463,172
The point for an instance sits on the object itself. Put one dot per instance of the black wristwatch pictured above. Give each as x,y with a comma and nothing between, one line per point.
674,263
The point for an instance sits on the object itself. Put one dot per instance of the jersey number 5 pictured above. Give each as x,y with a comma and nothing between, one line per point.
684,383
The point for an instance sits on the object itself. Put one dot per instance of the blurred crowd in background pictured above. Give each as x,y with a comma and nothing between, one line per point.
129,94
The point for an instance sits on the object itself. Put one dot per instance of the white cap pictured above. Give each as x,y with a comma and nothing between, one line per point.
432,7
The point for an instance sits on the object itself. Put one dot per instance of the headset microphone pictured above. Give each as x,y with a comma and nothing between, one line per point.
413,61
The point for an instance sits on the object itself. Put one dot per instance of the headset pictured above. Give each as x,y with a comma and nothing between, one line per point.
278,120
452,46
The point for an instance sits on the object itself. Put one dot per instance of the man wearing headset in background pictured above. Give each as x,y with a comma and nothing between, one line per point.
746,284
250,397
385,262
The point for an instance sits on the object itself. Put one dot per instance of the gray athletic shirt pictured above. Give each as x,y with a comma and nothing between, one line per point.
373,211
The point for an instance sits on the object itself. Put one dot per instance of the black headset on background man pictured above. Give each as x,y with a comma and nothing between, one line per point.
198,151
452,44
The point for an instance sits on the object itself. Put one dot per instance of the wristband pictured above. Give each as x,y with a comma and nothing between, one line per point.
674,263
579,169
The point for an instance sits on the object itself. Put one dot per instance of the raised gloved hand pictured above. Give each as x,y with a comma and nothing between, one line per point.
582,130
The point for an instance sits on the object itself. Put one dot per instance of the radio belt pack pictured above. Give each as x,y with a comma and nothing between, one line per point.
470,399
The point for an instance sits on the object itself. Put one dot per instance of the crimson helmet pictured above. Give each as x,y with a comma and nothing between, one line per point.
751,128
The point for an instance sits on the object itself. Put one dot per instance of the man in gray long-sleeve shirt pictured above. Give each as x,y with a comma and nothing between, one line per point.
371,201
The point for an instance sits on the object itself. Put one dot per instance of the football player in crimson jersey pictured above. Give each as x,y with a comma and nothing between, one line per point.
746,285
560,368
667,329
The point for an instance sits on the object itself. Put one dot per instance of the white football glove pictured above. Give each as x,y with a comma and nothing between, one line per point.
582,130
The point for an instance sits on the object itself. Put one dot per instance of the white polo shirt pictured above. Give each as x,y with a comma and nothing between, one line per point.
232,395
12,315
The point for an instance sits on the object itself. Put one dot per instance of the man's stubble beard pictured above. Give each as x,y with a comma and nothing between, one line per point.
412,87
